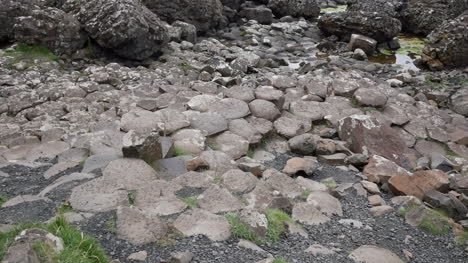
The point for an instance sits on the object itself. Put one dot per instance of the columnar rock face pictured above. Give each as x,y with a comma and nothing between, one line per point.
447,45
423,16
204,14
125,26
371,24
51,27
296,8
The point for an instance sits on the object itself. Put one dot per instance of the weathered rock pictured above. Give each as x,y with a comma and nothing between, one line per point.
460,102
238,181
371,254
264,109
246,130
218,200
230,143
365,133
181,257
261,14
295,8
289,127
380,170
370,97
201,222
137,228
188,141
365,43
380,210
447,44
303,144
9,11
148,148
282,183
422,17
231,108
333,159
376,26
305,165
203,14
454,207
308,214
22,249
137,33
52,28
256,221
325,203
209,122
419,183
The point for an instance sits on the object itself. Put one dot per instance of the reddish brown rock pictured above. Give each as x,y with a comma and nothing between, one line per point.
380,170
419,183
364,132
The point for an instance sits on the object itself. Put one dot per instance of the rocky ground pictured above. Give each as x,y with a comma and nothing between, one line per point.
262,141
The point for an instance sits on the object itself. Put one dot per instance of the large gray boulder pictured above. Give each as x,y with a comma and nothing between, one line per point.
423,16
52,28
9,11
448,44
296,8
128,28
203,14
371,24
382,7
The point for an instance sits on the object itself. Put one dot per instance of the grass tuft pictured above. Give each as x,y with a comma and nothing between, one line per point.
185,67
279,260
329,183
180,152
462,239
241,230
131,194
305,194
65,208
78,247
3,199
277,220
218,180
30,52
191,202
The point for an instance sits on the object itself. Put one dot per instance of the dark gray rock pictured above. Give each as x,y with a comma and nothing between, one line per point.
423,16
296,8
9,11
52,28
203,14
343,24
447,45
447,202
125,26
261,14
367,44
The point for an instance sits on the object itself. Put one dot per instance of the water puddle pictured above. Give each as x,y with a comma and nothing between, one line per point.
404,58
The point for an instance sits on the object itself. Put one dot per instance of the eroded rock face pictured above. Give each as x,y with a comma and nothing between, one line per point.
203,14
295,8
379,27
423,16
447,45
9,11
125,26
419,183
365,133
53,28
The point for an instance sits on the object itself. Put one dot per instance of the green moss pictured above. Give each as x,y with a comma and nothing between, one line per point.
111,225
191,202
184,66
218,180
30,52
329,183
131,194
279,260
386,52
170,239
179,152
243,33
240,230
277,220
78,247
3,199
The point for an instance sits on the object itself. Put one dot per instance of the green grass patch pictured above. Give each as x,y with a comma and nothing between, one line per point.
436,222
218,180
386,52
30,52
241,230
462,239
185,67
329,183
111,225
243,33
3,199
131,194
78,247
279,260
180,152
65,208
305,194
191,202
277,220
